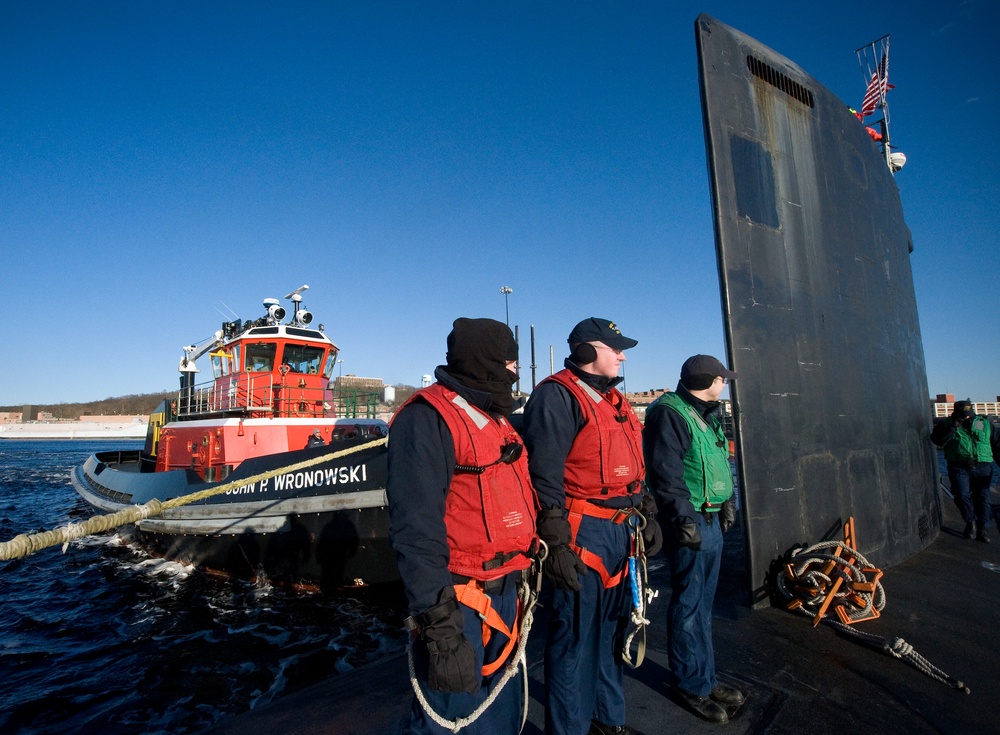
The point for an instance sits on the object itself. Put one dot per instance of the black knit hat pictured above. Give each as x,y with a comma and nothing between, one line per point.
480,349
963,409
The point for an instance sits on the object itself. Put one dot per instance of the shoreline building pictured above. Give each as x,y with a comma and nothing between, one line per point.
944,403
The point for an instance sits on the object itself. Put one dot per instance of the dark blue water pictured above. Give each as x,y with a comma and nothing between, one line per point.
106,639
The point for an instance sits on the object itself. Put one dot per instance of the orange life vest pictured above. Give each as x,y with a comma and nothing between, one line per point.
606,459
491,505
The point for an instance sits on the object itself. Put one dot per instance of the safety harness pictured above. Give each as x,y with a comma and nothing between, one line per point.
473,594
634,569
576,509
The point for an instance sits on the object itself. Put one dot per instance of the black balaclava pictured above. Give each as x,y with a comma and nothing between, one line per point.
478,353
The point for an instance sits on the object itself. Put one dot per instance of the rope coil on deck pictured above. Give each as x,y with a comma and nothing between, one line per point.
819,582
812,583
25,544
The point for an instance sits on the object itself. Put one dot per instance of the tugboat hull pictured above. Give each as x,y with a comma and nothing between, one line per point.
323,525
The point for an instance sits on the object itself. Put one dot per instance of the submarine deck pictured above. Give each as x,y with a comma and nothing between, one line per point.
943,601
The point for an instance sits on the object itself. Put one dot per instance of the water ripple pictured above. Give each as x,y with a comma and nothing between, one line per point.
106,638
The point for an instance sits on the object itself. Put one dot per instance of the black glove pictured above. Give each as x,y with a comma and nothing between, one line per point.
452,665
564,568
727,515
562,565
688,535
652,535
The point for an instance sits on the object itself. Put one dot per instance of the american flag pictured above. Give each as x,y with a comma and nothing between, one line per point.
877,88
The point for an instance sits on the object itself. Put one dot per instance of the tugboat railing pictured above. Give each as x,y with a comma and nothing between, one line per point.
244,394
260,395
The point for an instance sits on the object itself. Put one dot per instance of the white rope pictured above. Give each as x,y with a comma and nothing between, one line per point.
897,647
518,661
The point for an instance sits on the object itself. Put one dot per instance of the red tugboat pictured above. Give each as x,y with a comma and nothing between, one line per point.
268,409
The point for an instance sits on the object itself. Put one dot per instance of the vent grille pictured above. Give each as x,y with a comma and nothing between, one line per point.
778,80
923,526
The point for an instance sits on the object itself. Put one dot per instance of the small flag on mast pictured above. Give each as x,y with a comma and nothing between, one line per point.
877,87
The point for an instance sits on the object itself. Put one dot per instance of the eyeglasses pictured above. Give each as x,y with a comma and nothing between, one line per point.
725,381
617,352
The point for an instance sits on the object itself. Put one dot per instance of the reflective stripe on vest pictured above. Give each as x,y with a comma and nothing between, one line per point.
479,418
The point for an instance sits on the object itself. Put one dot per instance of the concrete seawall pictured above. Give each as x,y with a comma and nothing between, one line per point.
74,430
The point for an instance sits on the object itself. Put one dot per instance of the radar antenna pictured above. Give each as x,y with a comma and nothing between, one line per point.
299,315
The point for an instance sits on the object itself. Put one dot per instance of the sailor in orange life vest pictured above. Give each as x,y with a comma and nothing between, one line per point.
462,523
585,456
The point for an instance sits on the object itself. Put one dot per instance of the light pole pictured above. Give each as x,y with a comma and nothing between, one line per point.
506,291
341,364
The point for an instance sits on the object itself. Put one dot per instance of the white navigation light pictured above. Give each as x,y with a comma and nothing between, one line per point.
304,317
275,312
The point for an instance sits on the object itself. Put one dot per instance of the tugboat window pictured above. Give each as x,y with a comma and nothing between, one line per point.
331,362
260,357
303,358
222,363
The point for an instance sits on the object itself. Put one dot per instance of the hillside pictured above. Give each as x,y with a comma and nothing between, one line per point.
130,405
136,405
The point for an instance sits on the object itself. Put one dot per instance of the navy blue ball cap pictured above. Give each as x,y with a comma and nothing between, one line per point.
704,365
600,330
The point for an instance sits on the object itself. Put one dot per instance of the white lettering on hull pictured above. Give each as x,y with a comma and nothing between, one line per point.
307,478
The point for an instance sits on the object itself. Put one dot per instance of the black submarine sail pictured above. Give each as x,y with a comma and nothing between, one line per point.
874,61
831,405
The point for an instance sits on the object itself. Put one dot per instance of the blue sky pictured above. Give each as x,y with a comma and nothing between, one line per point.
405,160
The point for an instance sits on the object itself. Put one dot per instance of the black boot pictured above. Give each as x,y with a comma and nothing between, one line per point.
705,707
970,530
727,695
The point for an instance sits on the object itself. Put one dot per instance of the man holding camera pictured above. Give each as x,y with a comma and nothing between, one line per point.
970,443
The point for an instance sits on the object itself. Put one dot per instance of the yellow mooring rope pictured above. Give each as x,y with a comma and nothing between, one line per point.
23,544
